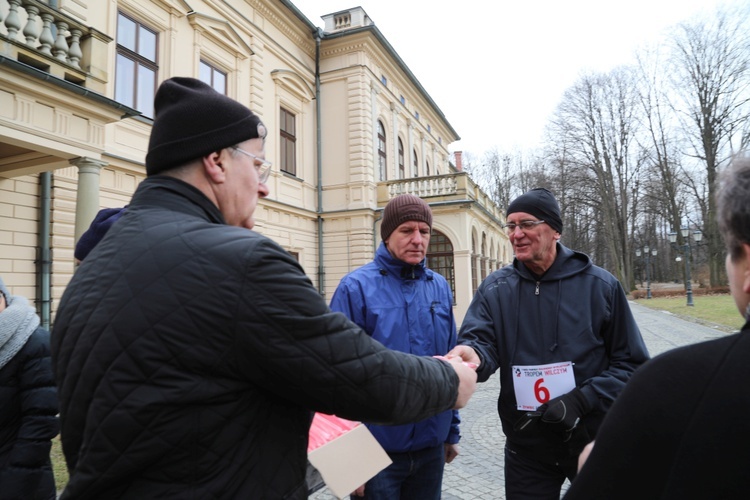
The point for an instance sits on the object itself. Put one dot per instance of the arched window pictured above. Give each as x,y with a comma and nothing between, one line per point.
401,173
427,168
381,152
415,173
440,258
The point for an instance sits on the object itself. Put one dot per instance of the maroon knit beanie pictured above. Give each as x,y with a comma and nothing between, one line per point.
403,208
192,120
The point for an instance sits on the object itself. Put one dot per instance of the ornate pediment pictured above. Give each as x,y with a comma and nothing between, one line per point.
220,32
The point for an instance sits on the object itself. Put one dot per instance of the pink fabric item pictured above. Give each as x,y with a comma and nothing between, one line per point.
326,428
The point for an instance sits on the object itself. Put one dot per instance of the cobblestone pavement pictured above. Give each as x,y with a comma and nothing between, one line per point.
477,473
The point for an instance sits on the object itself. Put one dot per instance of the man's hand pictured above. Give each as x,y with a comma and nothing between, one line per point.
467,381
464,352
564,412
451,452
585,455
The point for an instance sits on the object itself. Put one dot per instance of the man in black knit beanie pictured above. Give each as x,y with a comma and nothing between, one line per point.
560,331
191,351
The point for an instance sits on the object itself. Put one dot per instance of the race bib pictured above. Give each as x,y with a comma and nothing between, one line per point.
535,385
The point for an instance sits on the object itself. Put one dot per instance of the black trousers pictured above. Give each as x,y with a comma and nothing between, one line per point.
530,479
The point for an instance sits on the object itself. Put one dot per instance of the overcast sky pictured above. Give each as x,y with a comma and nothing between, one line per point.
526,54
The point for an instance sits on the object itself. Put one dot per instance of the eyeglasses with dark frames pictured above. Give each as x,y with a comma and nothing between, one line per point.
525,225
263,166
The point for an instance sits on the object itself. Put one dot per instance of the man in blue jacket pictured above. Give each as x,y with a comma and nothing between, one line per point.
561,333
398,301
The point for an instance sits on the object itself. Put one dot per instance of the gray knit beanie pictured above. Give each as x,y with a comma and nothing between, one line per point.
4,291
403,208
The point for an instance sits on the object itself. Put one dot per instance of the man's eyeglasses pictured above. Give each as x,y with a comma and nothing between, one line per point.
264,167
524,225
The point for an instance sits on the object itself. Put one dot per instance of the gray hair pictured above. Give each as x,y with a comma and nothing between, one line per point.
733,204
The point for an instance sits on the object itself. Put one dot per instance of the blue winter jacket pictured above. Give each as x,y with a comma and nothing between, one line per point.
409,309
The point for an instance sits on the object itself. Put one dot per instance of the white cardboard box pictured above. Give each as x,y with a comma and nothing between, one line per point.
349,461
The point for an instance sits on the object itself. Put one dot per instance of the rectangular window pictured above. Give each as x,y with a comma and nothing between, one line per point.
135,71
288,141
213,77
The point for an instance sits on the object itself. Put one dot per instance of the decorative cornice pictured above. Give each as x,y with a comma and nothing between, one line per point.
282,24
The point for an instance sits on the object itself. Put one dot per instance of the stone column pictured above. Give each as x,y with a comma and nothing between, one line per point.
87,197
462,274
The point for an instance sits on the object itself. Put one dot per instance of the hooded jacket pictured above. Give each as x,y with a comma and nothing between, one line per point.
576,312
409,309
189,355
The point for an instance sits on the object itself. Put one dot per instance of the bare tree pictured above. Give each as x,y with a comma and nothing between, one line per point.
711,76
573,191
596,118
663,182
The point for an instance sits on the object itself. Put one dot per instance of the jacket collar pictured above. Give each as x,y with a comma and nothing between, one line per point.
567,263
172,193
388,264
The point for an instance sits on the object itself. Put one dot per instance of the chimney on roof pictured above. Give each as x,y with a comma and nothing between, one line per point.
355,17
457,161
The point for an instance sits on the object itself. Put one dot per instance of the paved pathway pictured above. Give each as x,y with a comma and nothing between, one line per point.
478,472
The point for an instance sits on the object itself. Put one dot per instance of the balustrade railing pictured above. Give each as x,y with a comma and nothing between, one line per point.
451,187
439,185
43,29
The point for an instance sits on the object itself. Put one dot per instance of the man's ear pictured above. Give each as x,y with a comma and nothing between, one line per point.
213,165
746,276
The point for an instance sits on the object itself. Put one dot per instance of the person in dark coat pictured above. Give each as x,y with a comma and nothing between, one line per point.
191,351
679,430
28,403
560,332
96,231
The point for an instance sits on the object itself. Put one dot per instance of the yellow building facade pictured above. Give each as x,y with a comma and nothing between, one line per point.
349,128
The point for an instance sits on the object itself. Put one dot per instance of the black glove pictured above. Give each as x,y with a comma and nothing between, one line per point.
564,412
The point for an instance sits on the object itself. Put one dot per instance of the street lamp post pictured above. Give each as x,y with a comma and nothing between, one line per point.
647,253
697,236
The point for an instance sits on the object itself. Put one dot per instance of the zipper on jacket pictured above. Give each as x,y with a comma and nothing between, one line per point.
536,292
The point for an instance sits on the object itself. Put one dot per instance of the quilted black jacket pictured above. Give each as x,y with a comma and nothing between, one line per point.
189,355
28,422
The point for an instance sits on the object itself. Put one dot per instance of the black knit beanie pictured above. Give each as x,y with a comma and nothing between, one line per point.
192,120
541,204
403,208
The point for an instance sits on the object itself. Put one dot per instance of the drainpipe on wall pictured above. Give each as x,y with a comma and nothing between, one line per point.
319,160
44,262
